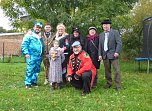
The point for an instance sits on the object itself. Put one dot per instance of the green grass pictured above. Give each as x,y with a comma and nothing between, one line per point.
12,59
136,94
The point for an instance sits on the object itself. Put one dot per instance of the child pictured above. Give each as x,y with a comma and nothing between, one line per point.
56,58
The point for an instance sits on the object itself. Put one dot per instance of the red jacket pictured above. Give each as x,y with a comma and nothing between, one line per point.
83,64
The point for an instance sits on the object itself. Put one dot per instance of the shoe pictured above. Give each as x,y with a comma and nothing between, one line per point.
46,82
59,86
84,93
53,86
118,89
107,86
28,86
34,85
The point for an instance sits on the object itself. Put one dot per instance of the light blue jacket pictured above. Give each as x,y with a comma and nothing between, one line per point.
32,44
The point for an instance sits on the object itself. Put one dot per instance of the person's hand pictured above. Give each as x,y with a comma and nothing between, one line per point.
29,32
76,76
62,50
116,55
27,56
100,58
68,78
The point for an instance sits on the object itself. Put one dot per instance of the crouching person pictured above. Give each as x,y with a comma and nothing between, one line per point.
81,71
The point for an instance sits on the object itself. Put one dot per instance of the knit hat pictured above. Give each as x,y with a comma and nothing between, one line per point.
92,28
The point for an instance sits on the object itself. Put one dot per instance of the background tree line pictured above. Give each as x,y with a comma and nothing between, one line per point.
125,14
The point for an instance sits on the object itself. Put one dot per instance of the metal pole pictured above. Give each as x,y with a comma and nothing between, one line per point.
148,67
3,52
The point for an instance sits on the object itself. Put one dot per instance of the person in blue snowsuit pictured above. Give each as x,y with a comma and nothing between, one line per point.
32,47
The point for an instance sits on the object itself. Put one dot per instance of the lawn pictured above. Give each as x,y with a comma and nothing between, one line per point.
136,94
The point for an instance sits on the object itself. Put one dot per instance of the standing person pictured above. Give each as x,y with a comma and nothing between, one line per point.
32,47
110,45
48,38
91,47
76,36
81,71
55,71
63,39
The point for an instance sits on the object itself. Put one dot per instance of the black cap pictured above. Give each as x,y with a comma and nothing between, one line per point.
75,29
106,21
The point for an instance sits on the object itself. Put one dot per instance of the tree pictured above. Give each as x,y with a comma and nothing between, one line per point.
2,30
82,13
133,40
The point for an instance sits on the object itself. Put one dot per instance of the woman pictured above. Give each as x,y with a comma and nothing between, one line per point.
76,36
91,47
61,36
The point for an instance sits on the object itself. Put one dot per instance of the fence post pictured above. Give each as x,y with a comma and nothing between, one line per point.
3,52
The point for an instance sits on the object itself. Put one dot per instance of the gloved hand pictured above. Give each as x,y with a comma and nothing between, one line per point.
76,76
69,78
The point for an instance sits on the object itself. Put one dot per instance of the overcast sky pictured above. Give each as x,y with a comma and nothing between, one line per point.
4,21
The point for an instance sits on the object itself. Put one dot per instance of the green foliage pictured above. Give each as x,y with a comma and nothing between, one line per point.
2,30
133,40
83,13
135,95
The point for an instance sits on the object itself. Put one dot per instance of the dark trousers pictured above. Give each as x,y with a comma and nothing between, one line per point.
46,66
83,82
64,67
95,79
107,66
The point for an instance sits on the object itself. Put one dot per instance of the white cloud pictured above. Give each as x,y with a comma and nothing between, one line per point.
4,21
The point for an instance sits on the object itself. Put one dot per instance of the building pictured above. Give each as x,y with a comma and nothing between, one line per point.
10,43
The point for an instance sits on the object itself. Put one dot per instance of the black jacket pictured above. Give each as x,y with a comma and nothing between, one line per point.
72,39
91,47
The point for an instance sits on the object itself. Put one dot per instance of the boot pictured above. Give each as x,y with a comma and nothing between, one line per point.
59,86
53,86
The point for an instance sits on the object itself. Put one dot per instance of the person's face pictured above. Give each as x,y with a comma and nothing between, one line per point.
56,45
61,30
77,49
75,34
47,28
37,29
106,27
92,32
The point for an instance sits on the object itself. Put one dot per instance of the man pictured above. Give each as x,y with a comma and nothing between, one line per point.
109,50
81,71
32,48
48,38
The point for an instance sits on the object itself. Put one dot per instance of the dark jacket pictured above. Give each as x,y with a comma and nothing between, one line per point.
72,39
91,47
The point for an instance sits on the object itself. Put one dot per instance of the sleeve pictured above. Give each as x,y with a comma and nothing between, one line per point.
86,46
100,46
86,66
83,42
69,69
118,42
62,57
25,45
49,56
66,43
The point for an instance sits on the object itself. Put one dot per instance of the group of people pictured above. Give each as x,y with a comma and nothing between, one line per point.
72,57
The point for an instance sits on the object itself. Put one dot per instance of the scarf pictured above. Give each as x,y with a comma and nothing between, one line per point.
92,37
